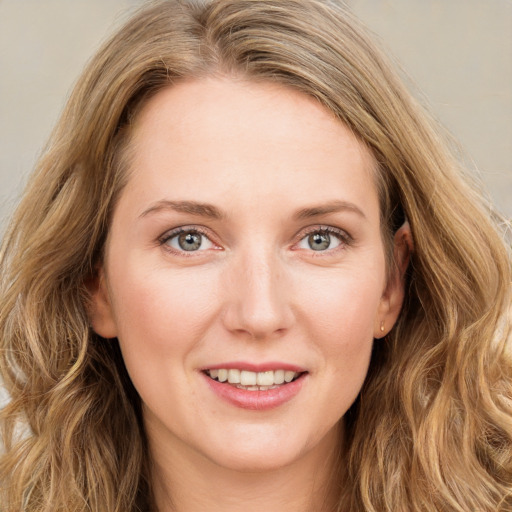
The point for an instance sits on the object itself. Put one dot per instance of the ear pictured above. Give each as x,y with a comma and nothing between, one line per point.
100,306
393,296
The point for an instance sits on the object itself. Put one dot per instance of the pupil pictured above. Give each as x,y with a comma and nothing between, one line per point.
189,241
319,241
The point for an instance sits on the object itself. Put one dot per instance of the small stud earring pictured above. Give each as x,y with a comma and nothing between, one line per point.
382,327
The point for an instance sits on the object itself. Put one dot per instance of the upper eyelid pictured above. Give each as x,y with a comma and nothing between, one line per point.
170,233
345,239
326,228
162,241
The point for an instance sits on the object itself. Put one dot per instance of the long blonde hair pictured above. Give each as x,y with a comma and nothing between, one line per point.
432,427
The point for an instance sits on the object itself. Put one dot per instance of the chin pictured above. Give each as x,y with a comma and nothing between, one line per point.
256,461
269,453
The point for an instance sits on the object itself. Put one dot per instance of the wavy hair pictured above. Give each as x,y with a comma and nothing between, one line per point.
432,427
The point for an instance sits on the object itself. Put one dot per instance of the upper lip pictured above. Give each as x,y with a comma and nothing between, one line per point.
255,367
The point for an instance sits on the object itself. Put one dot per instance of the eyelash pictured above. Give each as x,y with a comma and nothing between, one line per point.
345,239
330,230
169,235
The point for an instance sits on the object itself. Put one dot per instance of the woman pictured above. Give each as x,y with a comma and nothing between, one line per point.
248,275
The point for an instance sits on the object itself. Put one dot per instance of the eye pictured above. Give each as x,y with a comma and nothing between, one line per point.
323,239
187,240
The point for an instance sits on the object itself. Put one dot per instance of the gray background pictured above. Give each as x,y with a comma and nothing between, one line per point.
458,54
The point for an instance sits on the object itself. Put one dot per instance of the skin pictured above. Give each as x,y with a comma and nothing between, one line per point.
255,291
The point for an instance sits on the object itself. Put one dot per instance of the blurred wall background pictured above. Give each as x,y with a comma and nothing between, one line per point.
458,54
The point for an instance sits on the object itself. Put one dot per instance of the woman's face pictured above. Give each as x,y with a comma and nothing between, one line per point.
246,246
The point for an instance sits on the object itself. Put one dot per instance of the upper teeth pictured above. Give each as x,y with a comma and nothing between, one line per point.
247,378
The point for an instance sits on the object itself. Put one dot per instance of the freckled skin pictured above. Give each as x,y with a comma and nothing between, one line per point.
256,291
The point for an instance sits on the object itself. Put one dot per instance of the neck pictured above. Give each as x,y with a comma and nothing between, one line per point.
186,481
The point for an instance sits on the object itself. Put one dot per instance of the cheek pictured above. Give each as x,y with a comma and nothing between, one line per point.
343,304
340,314
162,316
162,310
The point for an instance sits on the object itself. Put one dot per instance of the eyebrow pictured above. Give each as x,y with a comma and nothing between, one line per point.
212,212
190,207
325,209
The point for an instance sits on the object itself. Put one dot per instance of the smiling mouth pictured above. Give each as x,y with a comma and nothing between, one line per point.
253,381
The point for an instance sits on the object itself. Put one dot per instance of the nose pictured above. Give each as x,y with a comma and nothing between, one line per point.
258,296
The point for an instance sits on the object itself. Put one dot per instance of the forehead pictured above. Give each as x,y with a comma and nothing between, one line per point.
212,136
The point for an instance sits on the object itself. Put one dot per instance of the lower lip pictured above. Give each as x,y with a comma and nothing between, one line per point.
256,400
